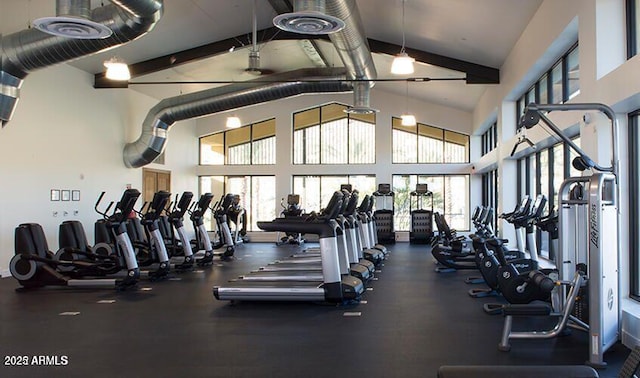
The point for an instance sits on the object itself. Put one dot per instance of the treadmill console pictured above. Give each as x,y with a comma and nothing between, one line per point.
347,187
421,189
293,199
384,189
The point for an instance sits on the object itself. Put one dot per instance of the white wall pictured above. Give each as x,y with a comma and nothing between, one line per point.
67,135
389,105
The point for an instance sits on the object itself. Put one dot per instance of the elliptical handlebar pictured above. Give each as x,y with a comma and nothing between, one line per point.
104,213
125,205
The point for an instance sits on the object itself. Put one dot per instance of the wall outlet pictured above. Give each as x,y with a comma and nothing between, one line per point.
55,214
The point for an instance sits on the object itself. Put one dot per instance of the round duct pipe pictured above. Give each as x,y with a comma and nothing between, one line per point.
361,96
308,17
72,20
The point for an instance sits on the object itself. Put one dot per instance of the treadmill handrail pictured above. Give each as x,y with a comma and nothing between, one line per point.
322,228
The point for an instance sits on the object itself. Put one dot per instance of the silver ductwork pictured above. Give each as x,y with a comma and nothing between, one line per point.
361,97
161,117
309,17
31,49
73,20
352,46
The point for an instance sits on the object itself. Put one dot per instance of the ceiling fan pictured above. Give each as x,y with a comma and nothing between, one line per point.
254,53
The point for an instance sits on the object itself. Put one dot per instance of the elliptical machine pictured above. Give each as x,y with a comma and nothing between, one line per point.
174,216
155,249
237,215
203,241
34,265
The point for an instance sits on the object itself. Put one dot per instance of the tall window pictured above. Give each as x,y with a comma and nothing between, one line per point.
251,144
328,135
556,86
572,61
490,139
490,193
450,198
257,196
633,27
316,191
427,144
543,173
634,203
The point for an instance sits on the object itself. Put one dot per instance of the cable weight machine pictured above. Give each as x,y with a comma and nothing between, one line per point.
587,293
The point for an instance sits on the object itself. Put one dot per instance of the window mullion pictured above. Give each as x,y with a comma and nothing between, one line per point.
632,30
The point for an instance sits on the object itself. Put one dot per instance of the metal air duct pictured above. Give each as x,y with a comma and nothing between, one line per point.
308,17
31,49
361,96
352,47
72,20
161,117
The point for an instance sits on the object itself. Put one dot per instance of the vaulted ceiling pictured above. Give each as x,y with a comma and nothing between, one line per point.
209,40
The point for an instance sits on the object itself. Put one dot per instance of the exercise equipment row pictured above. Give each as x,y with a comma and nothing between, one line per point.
118,260
337,272
580,289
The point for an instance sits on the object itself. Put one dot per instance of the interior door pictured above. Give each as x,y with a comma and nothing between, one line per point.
154,180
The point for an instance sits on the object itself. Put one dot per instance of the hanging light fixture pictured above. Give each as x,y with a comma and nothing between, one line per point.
407,119
117,69
402,63
233,122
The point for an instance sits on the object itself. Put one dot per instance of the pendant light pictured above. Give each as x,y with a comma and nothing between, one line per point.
402,63
233,122
117,69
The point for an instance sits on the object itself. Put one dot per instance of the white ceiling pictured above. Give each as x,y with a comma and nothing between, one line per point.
477,31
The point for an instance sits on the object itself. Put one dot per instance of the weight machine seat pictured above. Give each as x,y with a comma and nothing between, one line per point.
560,371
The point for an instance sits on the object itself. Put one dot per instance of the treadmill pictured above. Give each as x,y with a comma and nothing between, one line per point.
334,288
365,242
307,266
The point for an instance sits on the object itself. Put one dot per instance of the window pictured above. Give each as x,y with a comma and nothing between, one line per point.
556,86
543,89
633,27
316,191
251,144
450,198
573,73
257,196
490,139
427,144
634,203
557,78
559,173
543,173
490,194
328,135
